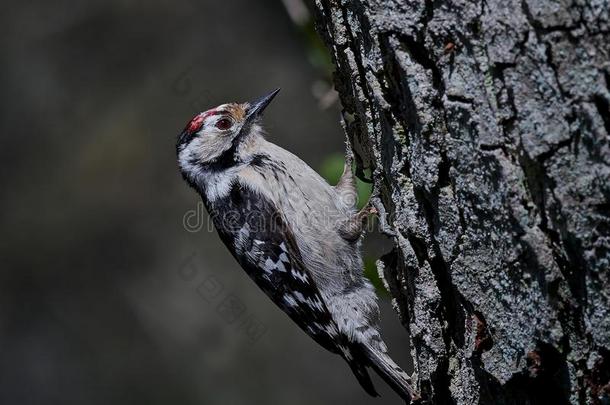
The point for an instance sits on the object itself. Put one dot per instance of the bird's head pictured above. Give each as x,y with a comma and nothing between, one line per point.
213,138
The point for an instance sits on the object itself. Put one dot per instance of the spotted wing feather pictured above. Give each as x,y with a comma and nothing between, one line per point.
259,238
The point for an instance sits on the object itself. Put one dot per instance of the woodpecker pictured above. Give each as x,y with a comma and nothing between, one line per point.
297,237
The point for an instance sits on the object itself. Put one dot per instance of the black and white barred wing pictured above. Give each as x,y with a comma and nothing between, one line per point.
264,245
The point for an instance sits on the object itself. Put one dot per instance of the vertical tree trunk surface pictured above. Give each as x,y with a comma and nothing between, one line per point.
486,126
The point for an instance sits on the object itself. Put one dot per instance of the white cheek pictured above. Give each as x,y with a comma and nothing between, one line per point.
207,147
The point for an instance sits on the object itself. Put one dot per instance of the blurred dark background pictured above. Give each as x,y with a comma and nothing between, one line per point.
105,296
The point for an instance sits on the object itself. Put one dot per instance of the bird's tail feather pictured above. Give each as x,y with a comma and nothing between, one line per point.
391,373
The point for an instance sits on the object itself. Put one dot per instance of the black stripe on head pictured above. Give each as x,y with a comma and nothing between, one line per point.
184,138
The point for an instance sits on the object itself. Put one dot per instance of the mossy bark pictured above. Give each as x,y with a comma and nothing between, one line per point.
486,126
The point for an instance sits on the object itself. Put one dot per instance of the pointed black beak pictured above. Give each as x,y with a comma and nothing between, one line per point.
257,107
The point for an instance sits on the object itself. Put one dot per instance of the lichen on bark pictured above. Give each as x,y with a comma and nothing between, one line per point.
486,125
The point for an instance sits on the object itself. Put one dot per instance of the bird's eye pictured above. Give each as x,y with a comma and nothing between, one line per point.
223,124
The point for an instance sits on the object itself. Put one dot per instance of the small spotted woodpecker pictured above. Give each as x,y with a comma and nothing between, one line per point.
296,236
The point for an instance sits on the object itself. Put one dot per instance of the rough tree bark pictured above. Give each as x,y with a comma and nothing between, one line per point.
486,125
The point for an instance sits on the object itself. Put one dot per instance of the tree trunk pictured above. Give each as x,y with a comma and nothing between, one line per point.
486,127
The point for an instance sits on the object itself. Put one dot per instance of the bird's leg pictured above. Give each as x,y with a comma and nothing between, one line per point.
346,187
352,228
